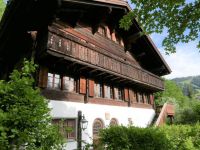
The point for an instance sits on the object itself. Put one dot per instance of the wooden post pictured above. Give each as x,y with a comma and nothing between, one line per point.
79,133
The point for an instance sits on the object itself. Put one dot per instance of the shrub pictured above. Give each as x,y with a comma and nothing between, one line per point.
176,137
25,120
133,138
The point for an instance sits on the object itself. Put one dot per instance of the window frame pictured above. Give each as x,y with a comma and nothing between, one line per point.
63,123
53,81
96,121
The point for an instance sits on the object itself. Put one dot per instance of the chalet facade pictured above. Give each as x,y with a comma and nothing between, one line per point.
86,62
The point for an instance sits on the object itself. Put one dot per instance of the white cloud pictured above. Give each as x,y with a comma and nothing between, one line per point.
185,62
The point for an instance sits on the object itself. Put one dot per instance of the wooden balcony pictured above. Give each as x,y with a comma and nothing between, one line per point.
74,49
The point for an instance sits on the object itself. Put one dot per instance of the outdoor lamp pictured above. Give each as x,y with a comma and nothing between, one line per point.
84,123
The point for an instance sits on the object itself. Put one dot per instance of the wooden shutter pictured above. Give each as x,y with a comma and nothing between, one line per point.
151,99
126,95
82,85
43,77
131,95
91,87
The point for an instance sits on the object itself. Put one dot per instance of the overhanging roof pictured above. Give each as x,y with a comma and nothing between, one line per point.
26,15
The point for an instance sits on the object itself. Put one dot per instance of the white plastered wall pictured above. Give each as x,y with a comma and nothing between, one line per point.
140,117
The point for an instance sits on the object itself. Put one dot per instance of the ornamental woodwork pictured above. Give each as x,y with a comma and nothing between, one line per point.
83,51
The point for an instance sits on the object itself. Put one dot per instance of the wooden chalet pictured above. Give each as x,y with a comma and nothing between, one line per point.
85,60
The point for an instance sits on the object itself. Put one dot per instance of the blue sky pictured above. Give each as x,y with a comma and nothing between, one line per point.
186,60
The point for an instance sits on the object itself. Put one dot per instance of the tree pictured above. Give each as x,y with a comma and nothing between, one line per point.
2,8
181,19
24,114
171,92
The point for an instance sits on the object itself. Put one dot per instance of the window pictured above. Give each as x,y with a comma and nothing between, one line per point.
120,93
107,91
111,92
148,98
53,81
113,122
67,127
140,98
69,84
97,125
98,90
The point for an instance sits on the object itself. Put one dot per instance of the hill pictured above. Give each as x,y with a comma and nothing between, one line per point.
189,85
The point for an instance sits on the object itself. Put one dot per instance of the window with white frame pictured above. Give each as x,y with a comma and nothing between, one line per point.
53,81
118,92
107,91
69,84
98,89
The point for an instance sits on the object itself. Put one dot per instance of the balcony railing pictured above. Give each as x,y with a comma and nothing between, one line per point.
73,47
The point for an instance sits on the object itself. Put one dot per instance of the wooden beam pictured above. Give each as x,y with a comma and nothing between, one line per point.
101,74
111,75
115,78
84,67
133,38
72,64
94,70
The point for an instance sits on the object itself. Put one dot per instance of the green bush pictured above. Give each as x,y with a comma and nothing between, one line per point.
176,137
133,138
25,121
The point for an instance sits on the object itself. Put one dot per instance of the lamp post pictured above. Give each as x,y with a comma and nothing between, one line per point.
82,125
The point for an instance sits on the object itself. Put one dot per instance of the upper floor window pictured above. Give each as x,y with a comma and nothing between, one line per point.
107,91
67,127
98,89
148,98
120,93
69,84
111,92
140,97
53,81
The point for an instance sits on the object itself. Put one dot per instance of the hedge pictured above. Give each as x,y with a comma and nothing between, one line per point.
175,137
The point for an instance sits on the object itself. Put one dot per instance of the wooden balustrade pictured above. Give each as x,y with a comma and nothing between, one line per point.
83,51
167,110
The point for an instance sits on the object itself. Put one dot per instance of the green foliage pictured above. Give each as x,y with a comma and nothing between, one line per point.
24,114
181,137
172,93
181,19
2,8
190,86
189,114
133,138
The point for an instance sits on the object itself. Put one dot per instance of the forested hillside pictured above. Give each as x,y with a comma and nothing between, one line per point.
189,85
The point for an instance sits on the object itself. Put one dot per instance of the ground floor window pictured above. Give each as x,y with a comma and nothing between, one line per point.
97,125
67,127
113,122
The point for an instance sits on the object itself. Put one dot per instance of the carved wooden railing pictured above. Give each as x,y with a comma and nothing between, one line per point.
167,110
73,47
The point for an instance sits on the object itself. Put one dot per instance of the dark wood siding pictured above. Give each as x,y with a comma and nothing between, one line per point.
43,77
